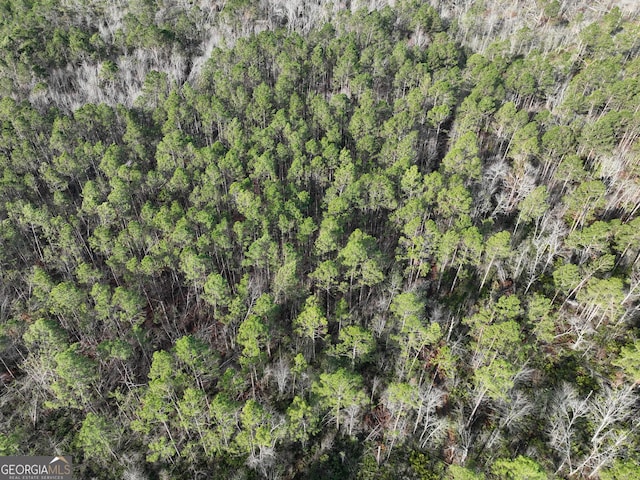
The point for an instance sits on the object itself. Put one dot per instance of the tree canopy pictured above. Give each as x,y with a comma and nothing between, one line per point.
321,240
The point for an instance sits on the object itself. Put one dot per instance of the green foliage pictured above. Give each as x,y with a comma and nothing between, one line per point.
422,229
566,277
46,335
401,397
541,318
497,248
456,472
584,202
216,291
194,354
75,377
534,205
496,379
462,158
252,335
311,324
355,343
339,390
97,438
9,444
407,305
519,468
629,361
303,423
621,469
115,349
361,259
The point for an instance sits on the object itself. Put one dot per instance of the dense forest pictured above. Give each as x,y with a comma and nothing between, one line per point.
309,240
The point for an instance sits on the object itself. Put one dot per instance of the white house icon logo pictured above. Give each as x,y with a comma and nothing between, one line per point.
59,466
